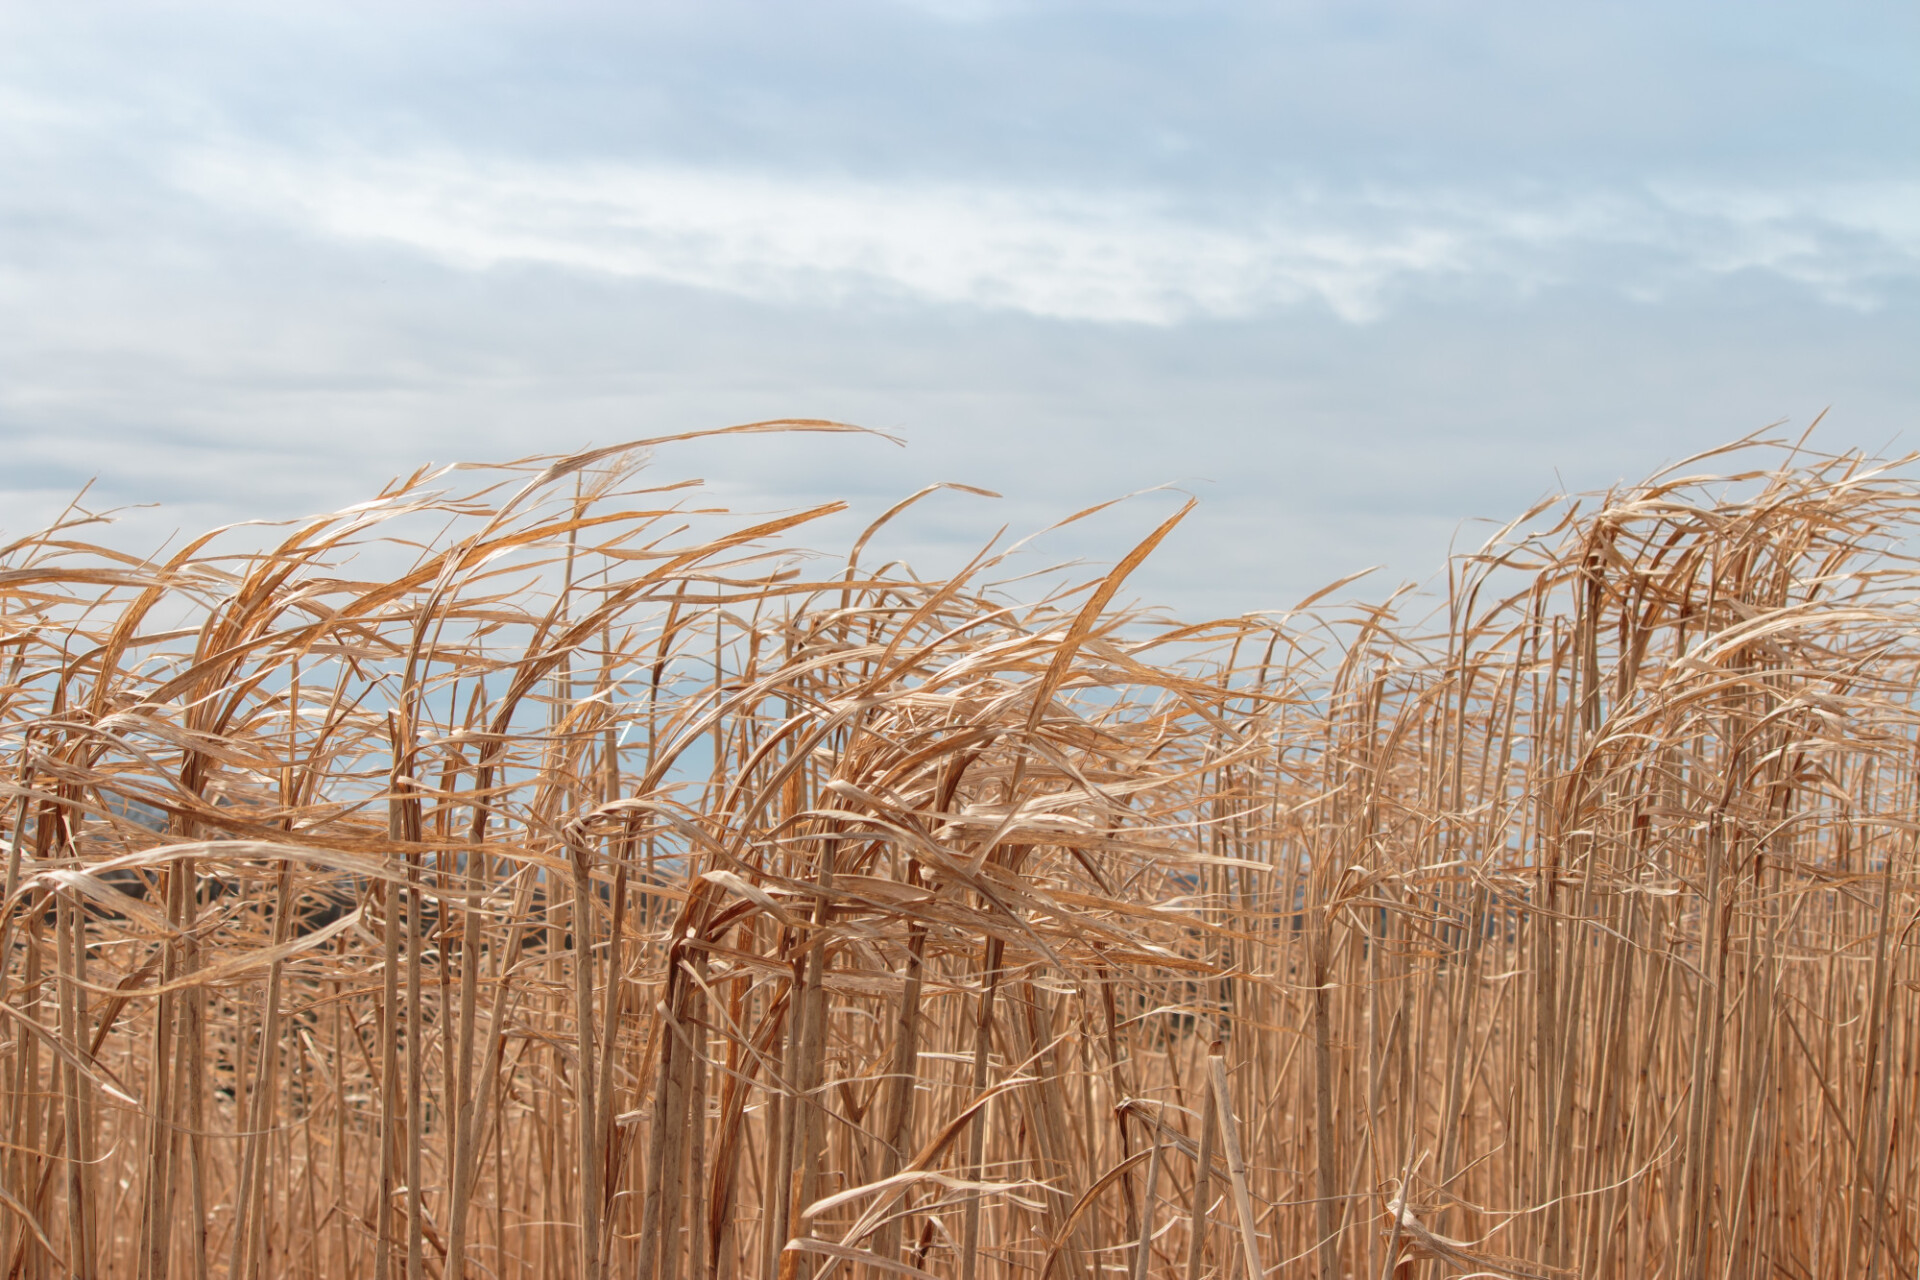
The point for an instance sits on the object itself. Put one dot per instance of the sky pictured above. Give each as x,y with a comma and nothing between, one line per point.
1359,276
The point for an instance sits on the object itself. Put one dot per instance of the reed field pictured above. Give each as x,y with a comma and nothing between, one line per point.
536,872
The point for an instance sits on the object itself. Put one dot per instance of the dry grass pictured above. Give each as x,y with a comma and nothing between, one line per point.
586,892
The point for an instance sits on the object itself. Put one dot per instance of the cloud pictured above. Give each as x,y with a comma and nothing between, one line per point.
1130,256
1063,255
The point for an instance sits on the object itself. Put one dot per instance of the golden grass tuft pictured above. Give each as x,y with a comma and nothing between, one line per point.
546,877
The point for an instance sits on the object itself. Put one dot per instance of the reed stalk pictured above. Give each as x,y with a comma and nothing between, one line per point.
539,871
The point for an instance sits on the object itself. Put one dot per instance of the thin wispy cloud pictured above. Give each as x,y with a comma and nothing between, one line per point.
1072,254
1061,254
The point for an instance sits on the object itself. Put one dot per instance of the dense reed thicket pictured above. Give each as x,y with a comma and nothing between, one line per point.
546,877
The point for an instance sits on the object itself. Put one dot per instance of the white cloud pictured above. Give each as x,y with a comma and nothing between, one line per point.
1839,239
1066,255
1077,255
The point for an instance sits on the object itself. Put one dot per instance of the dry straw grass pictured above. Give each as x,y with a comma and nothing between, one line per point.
588,894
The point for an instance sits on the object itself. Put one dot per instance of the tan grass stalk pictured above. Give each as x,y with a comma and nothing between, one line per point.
695,915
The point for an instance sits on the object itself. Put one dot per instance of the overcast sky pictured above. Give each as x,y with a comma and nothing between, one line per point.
1353,273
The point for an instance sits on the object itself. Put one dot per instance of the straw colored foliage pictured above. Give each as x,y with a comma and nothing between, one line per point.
536,872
